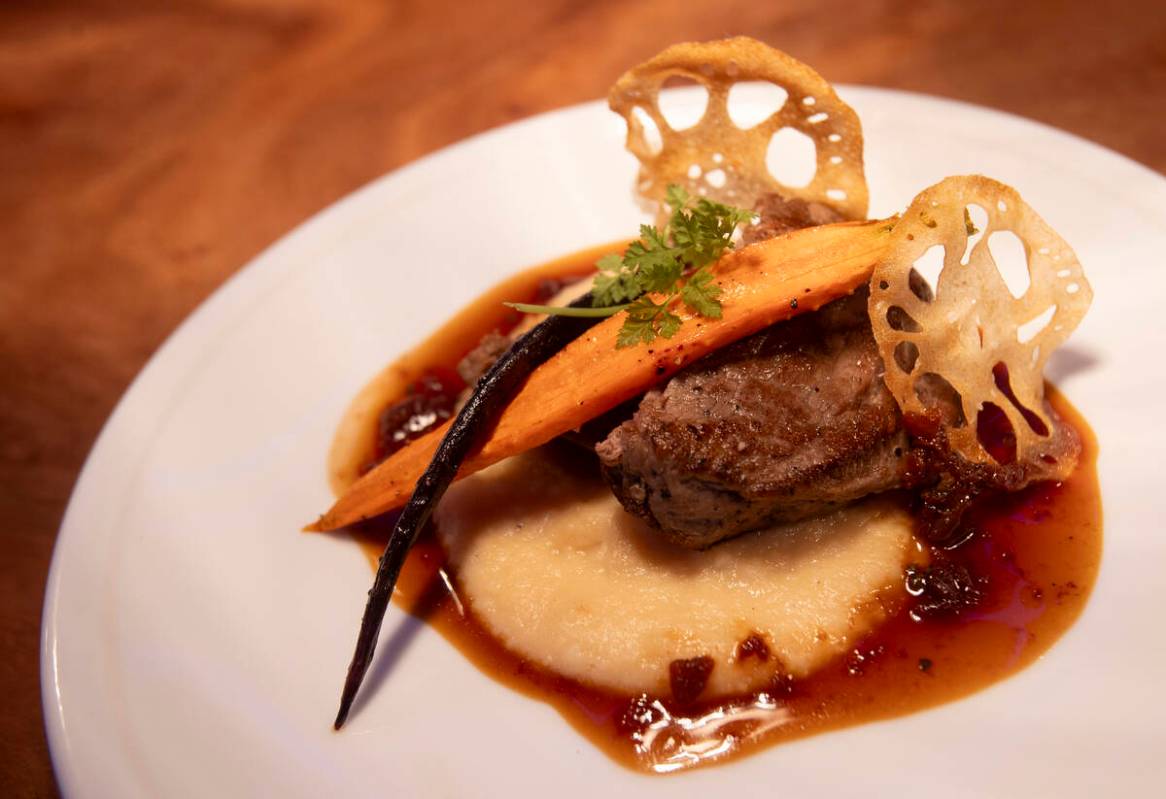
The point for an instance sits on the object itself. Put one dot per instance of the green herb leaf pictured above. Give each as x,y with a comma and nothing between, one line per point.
700,294
560,310
614,284
656,264
652,261
646,320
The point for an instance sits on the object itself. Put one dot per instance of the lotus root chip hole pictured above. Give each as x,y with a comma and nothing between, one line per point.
935,393
650,131
1030,329
929,265
792,158
1011,260
1035,423
995,433
986,333
918,285
976,222
906,356
683,102
752,103
900,320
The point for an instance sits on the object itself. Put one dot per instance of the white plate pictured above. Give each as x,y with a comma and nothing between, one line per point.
194,643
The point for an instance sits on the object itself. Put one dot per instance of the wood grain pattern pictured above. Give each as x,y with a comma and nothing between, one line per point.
148,150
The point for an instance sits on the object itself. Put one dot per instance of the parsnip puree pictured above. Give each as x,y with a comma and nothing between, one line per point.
551,564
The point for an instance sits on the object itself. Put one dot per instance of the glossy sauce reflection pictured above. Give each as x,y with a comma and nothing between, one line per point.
1036,554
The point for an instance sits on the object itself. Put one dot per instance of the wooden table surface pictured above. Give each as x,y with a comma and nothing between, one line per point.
148,150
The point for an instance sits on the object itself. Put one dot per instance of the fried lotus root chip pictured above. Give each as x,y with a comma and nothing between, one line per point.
717,159
971,331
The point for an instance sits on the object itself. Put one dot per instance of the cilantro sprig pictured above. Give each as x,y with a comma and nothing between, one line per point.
660,267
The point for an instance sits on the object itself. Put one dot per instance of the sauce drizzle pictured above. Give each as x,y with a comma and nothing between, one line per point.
1031,561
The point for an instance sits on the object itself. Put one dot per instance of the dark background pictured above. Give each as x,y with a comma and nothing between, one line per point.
148,150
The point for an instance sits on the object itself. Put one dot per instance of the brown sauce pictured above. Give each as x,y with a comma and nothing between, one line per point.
1033,560
355,443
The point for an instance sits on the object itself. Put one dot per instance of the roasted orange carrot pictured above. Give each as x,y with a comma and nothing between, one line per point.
762,284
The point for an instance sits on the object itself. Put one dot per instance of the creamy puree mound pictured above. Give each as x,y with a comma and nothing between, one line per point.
554,567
